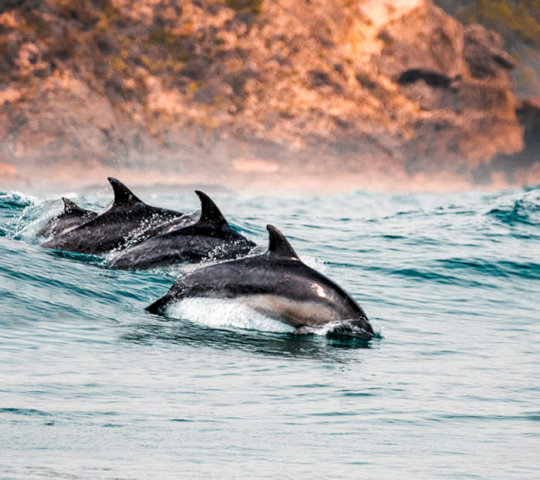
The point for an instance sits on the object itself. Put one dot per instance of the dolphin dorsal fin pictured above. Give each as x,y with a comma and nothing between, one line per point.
70,206
122,195
210,213
278,245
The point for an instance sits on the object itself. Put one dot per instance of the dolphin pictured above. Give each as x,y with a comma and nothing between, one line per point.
210,237
129,220
71,217
277,284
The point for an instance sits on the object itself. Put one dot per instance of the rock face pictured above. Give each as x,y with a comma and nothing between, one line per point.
517,21
525,165
373,89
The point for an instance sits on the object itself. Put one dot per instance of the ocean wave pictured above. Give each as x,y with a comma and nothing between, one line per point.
523,210
15,200
465,272
496,268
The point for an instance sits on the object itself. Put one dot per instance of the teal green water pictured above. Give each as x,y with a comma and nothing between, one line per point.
93,387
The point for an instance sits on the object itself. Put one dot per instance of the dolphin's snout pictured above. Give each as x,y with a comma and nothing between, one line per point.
365,327
363,323
359,328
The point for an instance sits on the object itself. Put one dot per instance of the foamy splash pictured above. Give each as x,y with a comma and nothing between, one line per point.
225,314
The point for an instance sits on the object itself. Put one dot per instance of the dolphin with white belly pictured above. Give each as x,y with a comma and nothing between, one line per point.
276,283
128,221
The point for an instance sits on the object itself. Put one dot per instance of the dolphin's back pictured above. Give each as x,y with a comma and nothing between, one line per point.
116,228
128,220
209,237
169,249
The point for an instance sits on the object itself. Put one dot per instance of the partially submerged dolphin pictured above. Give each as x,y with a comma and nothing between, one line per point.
210,237
275,283
71,217
129,220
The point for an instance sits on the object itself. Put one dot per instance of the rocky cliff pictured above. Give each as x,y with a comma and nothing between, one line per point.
518,22
360,93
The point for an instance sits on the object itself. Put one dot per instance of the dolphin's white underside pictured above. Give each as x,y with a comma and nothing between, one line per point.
293,312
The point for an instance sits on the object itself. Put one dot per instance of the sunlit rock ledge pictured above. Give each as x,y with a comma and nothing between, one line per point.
257,92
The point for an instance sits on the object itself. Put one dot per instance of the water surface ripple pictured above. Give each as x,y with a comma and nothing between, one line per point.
93,387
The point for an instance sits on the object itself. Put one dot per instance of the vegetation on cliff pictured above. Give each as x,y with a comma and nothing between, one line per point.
518,22
517,18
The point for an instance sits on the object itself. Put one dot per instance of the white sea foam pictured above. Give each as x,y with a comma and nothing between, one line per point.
35,216
226,314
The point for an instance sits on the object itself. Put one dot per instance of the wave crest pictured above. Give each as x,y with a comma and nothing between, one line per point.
523,210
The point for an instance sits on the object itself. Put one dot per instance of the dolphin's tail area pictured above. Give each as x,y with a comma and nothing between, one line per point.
159,305
177,292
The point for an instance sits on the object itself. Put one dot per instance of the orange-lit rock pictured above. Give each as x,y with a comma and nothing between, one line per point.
369,89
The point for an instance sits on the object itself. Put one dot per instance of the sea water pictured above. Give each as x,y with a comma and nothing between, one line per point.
93,387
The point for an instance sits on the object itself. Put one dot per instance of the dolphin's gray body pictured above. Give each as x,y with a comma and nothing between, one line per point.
211,237
71,217
275,283
127,222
